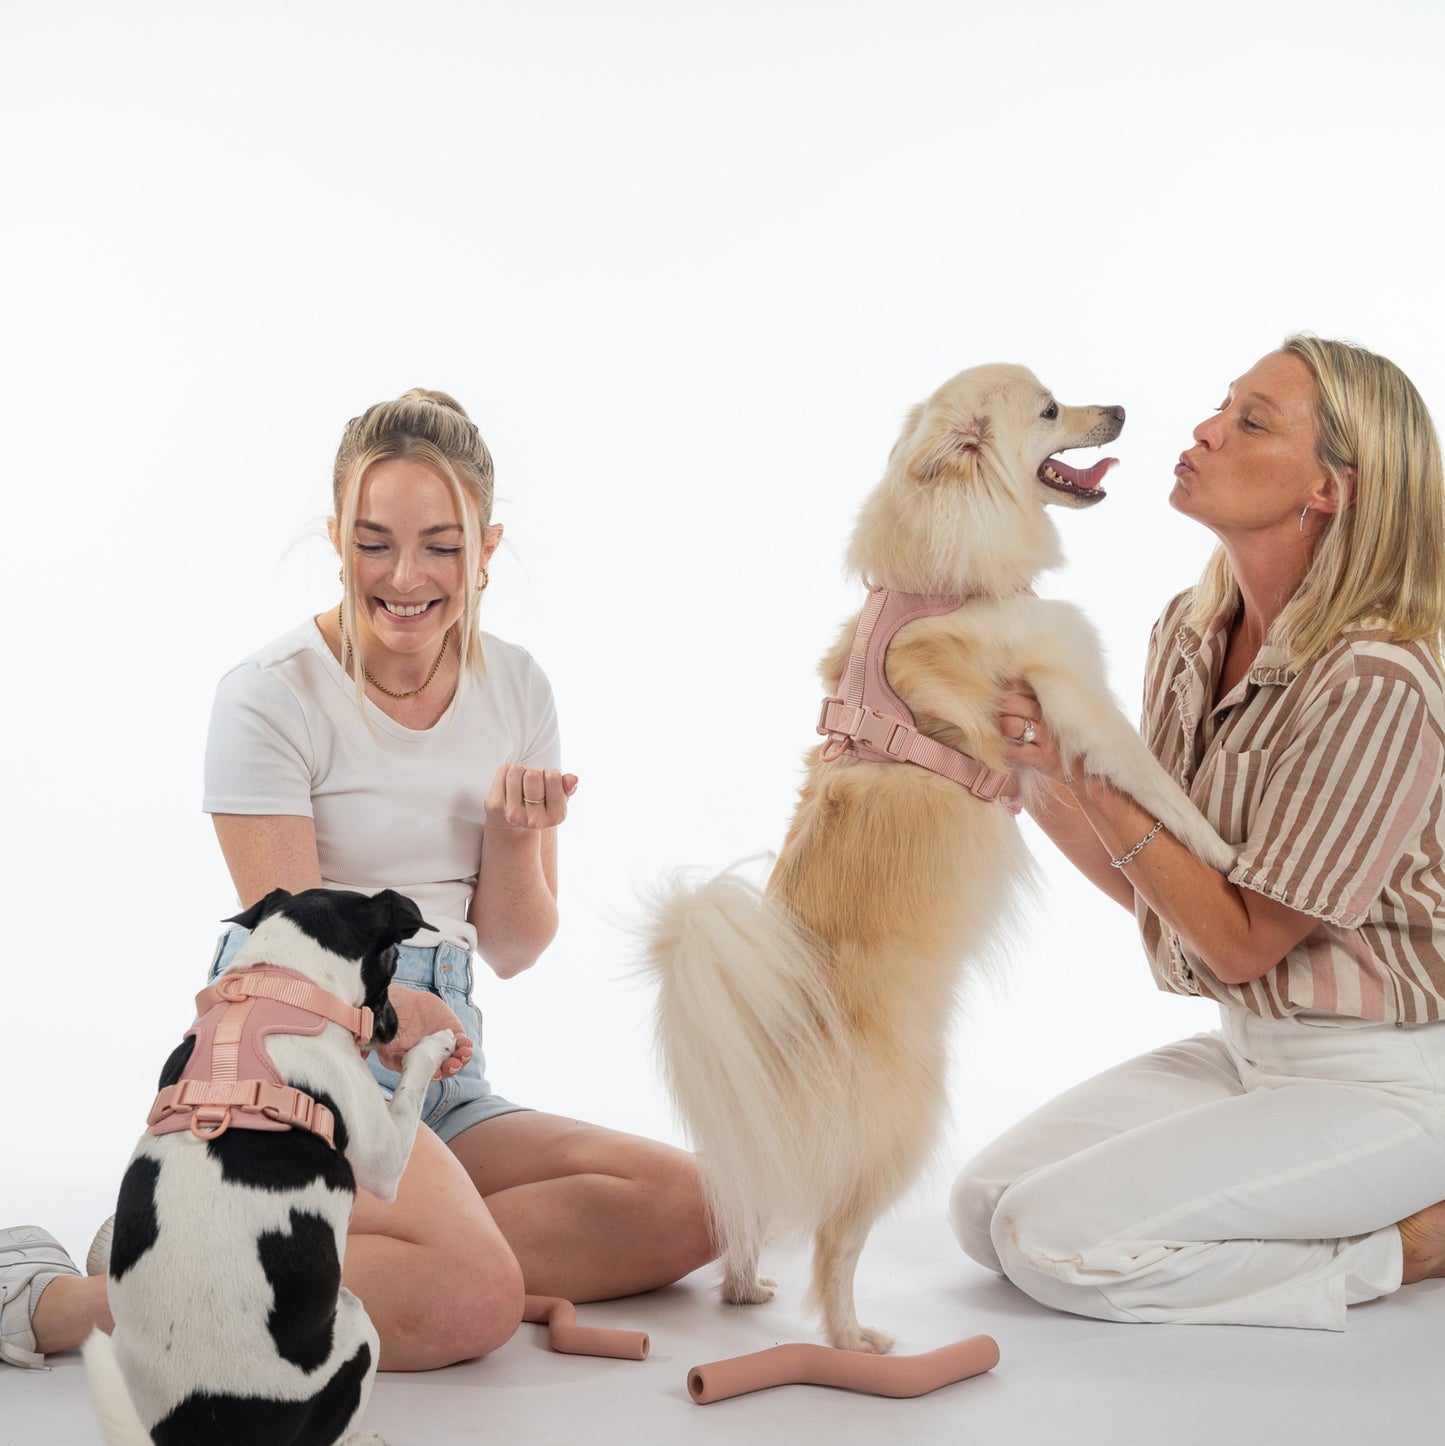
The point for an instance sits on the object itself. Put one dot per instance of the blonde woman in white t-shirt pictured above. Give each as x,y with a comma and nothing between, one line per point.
383,745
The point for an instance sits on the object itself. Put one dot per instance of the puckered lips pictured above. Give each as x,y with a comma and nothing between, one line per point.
1081,484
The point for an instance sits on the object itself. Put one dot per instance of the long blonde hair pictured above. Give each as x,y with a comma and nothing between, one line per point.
1381,557
434,429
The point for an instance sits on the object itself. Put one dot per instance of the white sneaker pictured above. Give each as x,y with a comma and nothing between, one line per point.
29,1260
97,1258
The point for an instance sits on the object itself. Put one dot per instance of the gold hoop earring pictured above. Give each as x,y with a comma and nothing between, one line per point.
482,585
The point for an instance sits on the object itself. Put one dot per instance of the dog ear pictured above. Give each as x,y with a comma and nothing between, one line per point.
398,914
249,918
948,449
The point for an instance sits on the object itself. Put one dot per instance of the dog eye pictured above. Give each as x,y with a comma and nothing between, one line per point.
1051,411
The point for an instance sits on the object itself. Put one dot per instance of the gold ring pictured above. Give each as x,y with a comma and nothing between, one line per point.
535,802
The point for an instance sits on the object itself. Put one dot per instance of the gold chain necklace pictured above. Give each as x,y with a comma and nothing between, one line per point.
381,687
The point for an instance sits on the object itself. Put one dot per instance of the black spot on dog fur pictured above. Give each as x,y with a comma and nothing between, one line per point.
268,1160
177,1061
215,1420
304,1270
136,1225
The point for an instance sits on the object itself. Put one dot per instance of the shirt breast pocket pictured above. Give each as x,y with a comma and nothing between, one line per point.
1228,789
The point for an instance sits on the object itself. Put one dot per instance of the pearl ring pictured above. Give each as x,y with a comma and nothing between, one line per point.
1027,736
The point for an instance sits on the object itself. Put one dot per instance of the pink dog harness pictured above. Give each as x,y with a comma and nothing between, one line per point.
229,1078
871,721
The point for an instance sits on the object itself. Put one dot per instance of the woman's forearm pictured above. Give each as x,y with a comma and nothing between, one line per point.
514,909
1058,813
1238,933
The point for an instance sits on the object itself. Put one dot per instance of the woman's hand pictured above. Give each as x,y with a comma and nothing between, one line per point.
419,1014
528,798
1027,735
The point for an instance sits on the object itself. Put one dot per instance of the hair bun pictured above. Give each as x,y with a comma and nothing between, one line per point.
439,399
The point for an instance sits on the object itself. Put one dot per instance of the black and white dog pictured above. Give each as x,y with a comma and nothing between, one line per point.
231,1324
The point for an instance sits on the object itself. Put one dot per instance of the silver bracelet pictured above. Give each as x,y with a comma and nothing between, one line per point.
1119,863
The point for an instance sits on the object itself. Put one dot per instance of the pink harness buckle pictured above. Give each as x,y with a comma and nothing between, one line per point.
851,723
210,1105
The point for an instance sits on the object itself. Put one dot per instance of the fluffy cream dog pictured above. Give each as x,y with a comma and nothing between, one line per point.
804,1028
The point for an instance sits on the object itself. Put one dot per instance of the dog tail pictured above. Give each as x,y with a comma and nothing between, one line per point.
744,1022
120,1423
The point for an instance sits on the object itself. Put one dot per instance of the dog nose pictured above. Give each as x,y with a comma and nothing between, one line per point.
1117,413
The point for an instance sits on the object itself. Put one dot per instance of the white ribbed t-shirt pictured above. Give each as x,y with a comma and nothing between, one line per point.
394,807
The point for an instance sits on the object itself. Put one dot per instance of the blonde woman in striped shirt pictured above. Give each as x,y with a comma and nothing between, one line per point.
1291,1163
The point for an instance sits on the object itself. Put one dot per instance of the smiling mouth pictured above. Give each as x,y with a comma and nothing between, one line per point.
1076,482
408,610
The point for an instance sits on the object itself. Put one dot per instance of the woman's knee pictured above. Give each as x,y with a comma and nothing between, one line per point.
1012,1229
437,1278
490,1303
675,1183
474,1305
1040,1237
971,1207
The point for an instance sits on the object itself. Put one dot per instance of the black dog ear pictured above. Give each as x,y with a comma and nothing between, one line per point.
249,918
398,914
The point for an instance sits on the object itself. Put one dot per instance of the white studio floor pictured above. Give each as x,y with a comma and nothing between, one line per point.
1059,1379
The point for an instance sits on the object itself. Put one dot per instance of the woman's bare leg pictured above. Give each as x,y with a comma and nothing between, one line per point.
69,1308
432,1269
589,1213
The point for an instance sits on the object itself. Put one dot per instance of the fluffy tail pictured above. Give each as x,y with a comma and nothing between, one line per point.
119,1421
750,1037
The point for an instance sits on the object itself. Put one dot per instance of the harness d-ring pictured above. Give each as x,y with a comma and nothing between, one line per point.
220,1118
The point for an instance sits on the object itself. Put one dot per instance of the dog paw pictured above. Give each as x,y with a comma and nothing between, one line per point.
749,1291
432,1050
863,1339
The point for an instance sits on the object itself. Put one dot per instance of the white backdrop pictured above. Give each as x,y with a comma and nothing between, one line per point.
688,265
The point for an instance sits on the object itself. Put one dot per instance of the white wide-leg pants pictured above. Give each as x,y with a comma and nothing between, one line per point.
1248,1177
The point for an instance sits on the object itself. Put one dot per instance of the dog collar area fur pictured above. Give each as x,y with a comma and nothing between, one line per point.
229,1079
872,722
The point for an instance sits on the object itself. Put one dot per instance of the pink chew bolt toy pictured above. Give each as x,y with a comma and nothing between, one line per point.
564,1334
813,1365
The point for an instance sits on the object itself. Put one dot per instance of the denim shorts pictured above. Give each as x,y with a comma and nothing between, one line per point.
452,1105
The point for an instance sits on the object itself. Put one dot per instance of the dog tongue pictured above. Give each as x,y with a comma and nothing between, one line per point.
1085,480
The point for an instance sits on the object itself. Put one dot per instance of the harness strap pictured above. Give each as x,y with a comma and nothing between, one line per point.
230,1079
872,722
268,982
210,1103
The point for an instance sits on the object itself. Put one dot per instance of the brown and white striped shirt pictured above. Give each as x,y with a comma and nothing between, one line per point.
1329,782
